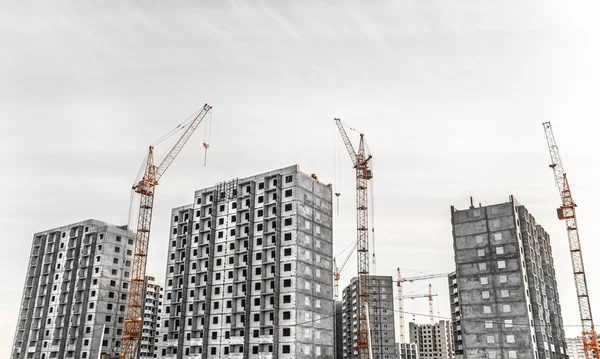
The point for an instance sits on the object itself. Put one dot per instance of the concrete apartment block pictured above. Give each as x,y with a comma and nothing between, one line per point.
407,351
456,319
381,315
575,348
249,271
153,301
76,288
432,341
339,333
545,303
507,301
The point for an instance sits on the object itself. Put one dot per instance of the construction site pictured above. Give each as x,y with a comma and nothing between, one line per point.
253,270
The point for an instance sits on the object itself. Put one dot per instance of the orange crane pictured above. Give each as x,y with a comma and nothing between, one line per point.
566,212
401,297
132,330
336,273
363,174
429,295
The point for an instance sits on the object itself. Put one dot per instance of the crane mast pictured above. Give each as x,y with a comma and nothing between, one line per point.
337,270
363,175
401,297
429,295
132,330
566,212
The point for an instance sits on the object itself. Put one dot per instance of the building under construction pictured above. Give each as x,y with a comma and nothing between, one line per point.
153,301
381,318
507,303
250,272
456,318
76,291
433,341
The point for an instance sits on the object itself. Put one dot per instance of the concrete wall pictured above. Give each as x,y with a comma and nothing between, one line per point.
153,297
432,341
456,316
490,283
381,315
255,279
542,288
76,287
507,298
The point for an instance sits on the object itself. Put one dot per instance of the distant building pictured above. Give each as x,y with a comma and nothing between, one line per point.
575,348
381,315
153,300
508,304
250,271
75,293
339,338
456,319
407,351
432,341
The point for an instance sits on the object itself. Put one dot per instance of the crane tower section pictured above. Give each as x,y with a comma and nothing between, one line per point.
363,174
132,330
567,213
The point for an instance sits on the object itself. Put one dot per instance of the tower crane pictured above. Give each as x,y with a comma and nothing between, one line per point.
429,295
363,174
336,273
401,297
566,212
132,330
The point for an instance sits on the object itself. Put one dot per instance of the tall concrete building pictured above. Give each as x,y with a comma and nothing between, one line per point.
456,319
508,303
249,270
75,292
432,341
153,301
407,351
381,318
575,348
339,333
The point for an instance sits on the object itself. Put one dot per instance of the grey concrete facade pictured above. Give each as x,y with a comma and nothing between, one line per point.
456,319
504,280
153,300
575,348
545,303
339,337
432,341
381,315
76,288
407,351
250,272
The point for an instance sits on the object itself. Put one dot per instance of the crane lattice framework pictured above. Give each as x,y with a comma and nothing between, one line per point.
363,174
566,212
429,295
401,297
132,330
337,270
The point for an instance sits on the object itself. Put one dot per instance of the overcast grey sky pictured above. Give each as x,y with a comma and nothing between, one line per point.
451,95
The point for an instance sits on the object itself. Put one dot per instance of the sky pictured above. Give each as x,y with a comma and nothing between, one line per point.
450,95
